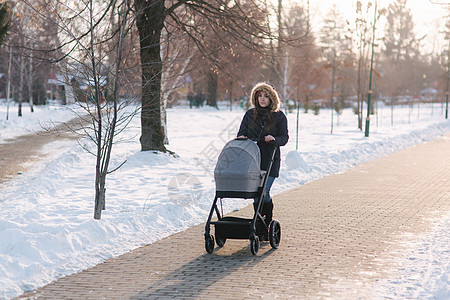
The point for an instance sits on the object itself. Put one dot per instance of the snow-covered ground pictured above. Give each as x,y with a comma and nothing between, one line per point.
47,228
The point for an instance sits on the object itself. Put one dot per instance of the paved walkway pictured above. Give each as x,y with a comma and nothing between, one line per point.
340,234
18,154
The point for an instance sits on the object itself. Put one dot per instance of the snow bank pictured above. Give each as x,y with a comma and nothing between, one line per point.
47,228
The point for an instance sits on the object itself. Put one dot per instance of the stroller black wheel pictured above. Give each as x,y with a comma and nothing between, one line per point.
274,234
220,241
209,243
254,245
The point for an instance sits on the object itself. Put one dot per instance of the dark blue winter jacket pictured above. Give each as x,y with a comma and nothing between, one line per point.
278,130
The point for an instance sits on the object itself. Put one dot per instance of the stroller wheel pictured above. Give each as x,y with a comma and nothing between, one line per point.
209,243
220,241
254,245
274,234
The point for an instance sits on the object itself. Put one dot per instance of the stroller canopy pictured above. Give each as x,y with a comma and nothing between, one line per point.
238,167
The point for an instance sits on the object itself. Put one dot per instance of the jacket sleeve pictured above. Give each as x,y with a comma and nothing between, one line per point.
282,136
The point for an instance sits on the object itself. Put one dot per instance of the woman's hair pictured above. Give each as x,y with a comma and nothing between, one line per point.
273,106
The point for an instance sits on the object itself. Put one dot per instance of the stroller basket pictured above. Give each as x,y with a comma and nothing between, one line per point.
235,228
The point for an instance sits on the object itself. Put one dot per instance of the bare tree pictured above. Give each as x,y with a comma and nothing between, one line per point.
362,33
237,19
335,47
28,73
301,59
176,57
90,52
276,58
4,28
22,33
108,111
239,70
446,60
8,81
20,21
30,78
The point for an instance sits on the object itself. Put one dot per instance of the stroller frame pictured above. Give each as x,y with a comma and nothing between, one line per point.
255,229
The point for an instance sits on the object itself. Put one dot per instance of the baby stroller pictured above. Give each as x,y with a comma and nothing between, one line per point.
238,175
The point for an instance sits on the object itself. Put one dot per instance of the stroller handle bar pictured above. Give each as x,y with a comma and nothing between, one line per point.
259,139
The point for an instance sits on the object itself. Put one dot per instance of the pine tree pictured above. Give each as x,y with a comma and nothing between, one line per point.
400,38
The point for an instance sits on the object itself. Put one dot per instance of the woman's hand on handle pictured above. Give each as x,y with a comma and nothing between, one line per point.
269,138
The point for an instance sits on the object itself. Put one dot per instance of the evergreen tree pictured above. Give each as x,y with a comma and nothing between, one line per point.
402,58
400,40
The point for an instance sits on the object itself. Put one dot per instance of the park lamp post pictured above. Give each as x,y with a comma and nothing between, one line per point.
446,94
448,78
369,93
446,103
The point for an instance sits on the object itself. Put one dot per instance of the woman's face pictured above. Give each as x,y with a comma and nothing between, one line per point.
263,99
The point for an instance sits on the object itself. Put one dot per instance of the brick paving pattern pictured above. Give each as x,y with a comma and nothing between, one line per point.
347,228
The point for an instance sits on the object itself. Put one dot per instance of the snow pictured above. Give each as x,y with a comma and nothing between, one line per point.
43,117
47,228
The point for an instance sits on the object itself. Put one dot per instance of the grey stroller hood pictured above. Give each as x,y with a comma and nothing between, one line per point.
238,167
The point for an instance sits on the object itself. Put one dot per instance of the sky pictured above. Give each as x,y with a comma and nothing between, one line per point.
425,13
154,195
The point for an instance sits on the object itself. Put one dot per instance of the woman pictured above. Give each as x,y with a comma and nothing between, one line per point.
268,125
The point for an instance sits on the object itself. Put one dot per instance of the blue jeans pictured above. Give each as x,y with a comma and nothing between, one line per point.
269,183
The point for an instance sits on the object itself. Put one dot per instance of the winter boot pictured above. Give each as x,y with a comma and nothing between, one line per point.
268,211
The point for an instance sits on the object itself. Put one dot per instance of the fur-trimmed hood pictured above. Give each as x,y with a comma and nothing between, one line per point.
270,91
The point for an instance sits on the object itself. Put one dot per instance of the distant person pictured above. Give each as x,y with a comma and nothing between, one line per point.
202,99
197,99
266,123
190,98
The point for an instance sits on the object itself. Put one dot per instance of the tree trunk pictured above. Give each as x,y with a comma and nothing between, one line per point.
8,83
333,74
22,71
107,116
332,97
212,89
230,93
150,20
30,82
306,103
286,78
359,108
